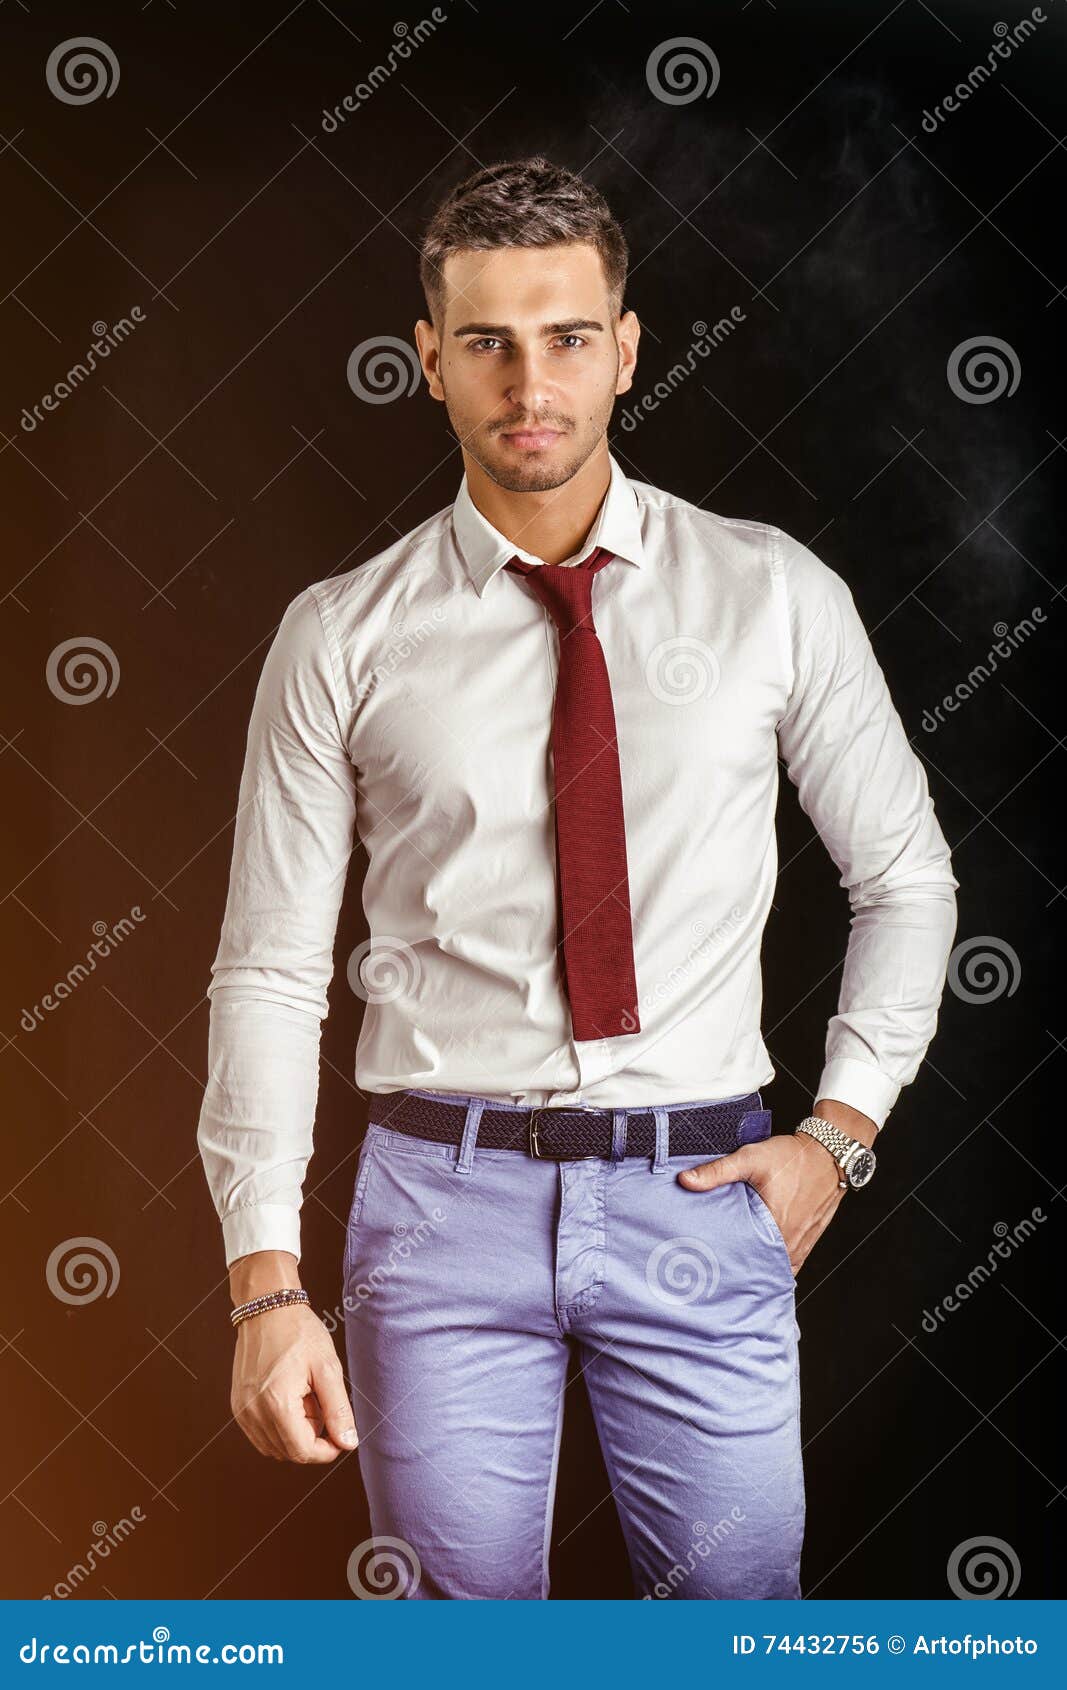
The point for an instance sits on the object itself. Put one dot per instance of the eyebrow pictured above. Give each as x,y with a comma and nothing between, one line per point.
504,331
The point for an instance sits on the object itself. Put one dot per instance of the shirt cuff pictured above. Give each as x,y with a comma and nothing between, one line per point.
261,1226
860,1085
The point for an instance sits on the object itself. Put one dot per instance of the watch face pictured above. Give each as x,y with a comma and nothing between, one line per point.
861,1168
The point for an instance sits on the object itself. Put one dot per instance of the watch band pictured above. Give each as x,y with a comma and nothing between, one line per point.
840,1146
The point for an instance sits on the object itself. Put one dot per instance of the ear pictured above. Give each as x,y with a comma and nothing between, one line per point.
429,349
628,333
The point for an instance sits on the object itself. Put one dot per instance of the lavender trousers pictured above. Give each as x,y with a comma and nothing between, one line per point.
469,1276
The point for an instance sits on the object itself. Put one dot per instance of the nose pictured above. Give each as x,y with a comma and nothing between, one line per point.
531,389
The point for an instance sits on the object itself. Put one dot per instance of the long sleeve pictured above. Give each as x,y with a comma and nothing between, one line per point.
846,751
292,843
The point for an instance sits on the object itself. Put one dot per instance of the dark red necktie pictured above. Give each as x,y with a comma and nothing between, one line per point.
596,936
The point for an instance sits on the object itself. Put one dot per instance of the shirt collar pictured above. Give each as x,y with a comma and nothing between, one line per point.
485,550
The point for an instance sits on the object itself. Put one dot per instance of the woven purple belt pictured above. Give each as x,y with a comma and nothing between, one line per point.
569,1134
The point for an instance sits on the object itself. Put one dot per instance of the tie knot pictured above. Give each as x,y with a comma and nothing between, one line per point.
565,590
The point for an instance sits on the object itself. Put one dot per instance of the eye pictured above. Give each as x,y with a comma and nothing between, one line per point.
580,341
484,341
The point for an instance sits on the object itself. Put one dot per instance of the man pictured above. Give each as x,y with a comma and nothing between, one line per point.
554,712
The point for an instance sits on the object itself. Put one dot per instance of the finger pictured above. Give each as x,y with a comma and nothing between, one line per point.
328,1382
263,1444
244,1411
724,1170
257,1423
258,1437
291,1427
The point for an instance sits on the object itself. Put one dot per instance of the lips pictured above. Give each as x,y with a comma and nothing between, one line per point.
532,439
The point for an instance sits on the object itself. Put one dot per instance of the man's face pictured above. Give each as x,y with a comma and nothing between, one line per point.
529,360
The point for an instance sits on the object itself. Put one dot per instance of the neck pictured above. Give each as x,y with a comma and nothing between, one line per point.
550,524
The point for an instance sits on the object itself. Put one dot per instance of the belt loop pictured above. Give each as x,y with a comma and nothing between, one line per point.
618,1134
464,1161
663,1136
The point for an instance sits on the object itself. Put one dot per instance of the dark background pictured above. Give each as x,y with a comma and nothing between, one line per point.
177,501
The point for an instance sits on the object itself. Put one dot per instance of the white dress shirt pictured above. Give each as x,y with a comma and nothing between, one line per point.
411,698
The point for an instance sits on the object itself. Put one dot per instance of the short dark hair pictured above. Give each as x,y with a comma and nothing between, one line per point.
523,202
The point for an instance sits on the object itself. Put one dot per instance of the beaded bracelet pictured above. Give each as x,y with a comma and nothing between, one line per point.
270,1300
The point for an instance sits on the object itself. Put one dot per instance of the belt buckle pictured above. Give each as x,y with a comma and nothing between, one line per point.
533,1141
534,1146
554,1109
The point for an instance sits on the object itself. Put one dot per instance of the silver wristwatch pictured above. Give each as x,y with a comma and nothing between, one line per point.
856,1162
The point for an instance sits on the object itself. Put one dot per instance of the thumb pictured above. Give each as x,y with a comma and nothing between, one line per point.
327,1381
724,1170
